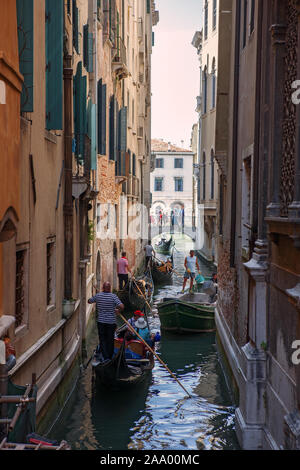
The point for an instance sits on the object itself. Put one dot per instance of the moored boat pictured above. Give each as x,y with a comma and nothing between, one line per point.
130,365
189,313
164,246
162,271
140,291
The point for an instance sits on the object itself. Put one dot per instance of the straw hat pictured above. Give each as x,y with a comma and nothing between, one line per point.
141,323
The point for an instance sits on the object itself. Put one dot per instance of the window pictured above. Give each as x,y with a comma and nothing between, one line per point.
214,19
252,16
212,175
159,163
26,58
178,163
158,184
178,184
204,177
54,33
213,85
245,22
50,273
205,91
21,288
206,19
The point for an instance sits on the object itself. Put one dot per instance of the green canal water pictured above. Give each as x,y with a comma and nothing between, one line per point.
157,415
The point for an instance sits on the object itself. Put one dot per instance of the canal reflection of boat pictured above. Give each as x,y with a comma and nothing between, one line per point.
140,291
189,313
162,271
165,246
130,365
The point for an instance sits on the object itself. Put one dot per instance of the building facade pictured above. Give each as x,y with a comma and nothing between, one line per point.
172,184
75,165
206,43
257,151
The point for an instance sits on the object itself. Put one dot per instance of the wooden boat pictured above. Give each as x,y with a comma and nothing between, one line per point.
130,365
140,291
189,313
164,246
161,271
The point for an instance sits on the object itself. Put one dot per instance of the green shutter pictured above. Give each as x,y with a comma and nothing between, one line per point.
91,52
123,129
153,38
92,133
80,112
75,26
86,46
101,118
148,6
54,63
113,129
25,17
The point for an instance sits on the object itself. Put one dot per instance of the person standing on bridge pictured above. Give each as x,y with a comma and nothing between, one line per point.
190,264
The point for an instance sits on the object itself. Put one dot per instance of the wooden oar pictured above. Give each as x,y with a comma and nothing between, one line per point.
142,294
154,353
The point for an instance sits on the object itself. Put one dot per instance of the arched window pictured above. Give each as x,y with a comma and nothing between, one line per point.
212,175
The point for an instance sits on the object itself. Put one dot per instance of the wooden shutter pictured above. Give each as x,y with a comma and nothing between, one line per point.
113,129
75,26
101,117
123,129
92,133
80,112
91,52
25,17
86,46
54,64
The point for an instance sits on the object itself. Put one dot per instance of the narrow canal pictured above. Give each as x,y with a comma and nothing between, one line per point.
157,415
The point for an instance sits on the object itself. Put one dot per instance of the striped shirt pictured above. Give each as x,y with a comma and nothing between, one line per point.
106,302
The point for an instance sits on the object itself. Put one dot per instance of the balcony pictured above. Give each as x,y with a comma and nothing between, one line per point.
199,104
132,186
119,62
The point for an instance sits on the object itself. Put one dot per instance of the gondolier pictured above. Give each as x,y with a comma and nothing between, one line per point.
108,305
149,253
123,270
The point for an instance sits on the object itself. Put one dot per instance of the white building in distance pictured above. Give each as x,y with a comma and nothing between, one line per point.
172,183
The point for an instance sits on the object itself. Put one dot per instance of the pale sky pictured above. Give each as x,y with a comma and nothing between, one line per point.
175,70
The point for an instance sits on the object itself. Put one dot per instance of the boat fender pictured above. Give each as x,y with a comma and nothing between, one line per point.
10,362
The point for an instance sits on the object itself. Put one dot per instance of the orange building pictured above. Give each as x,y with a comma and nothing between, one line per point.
10,88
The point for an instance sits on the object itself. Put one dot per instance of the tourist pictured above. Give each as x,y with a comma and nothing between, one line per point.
123,270
107,306
143,331
190,264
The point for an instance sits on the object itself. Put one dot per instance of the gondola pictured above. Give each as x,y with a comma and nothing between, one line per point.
162,271
189,313
164,246
141,290
130,365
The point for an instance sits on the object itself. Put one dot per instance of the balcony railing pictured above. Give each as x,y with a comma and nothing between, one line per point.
132,186
119,62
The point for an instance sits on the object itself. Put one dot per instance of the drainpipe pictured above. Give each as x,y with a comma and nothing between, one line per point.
235,132
68,203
